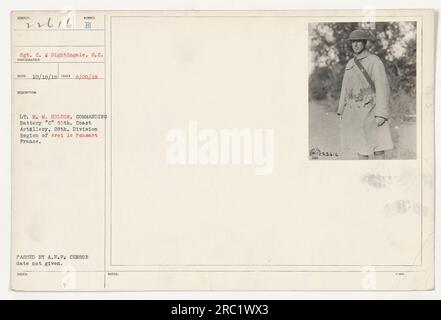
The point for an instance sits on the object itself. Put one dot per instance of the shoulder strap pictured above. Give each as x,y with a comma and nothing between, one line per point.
364,72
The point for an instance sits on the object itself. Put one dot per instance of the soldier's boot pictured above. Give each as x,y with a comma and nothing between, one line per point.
379,155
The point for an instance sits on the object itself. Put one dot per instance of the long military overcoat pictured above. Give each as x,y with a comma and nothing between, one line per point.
359,105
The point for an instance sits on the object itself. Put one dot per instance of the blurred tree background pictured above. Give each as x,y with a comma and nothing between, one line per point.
393,42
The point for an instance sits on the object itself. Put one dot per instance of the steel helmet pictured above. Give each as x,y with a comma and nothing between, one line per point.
359,34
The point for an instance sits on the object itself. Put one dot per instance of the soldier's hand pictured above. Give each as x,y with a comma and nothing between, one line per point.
380,121
339,116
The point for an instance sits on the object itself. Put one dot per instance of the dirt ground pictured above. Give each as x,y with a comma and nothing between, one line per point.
324,135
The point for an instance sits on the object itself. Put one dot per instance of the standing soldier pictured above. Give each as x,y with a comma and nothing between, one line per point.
364,102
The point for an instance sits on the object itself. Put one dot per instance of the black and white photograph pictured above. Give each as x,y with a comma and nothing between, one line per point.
362,91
